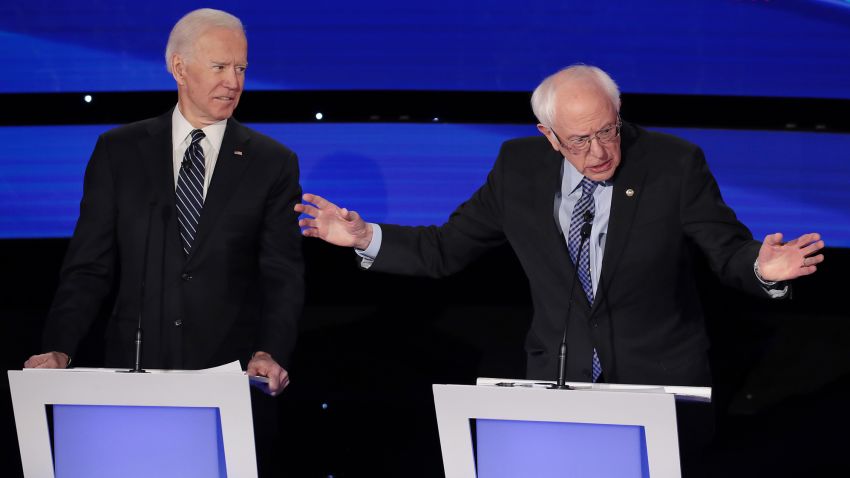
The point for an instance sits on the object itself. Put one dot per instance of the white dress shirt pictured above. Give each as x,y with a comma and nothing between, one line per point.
181,139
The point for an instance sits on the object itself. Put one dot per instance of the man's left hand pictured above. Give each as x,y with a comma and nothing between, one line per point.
264,365
781,261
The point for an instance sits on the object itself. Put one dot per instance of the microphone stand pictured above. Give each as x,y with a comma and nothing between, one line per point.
560,384
138,363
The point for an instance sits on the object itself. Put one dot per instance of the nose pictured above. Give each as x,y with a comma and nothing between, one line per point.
596,149
231,79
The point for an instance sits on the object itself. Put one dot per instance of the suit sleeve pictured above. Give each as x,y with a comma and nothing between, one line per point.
281,266
89,267
475,227
713,226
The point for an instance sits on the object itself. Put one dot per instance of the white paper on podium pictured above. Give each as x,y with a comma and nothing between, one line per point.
228,368
695,394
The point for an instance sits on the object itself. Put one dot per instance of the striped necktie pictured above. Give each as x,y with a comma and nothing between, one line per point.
581,258
190,191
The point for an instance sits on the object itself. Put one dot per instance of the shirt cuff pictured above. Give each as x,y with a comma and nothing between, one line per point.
367,256
775,290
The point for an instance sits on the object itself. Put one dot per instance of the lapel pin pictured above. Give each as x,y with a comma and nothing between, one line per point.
630,192
238,153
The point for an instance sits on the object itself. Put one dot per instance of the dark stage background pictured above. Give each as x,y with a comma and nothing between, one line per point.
415,100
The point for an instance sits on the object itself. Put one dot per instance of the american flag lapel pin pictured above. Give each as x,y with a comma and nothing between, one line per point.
237,153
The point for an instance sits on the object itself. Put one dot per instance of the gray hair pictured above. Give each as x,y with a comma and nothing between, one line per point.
192,26
543,98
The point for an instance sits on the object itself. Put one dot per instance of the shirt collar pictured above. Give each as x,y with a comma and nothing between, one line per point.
572,178
180,129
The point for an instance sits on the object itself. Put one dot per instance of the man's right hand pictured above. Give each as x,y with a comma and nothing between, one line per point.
48,360
332,224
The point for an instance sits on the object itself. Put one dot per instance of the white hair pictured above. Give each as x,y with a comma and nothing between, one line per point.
543,98
192,26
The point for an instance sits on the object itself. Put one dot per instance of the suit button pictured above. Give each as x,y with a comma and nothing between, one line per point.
178,323
595,324
186,276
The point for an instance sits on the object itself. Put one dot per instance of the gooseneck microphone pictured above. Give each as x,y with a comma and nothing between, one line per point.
560,384
138,364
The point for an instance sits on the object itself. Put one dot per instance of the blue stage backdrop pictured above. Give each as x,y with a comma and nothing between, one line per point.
418,173
795,48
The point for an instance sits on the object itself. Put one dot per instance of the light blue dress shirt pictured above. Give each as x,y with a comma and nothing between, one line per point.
565,202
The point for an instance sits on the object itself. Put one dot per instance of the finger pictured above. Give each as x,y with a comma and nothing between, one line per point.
812,248
810,261
256,367
311,232
807,239
308,223
49,362
317,200
34,361
804,271
773,239
310,210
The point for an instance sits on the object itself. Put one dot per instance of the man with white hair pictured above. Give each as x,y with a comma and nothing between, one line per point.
606,202
189,217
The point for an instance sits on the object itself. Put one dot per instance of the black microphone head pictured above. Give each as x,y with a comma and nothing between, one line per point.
185,164
588,216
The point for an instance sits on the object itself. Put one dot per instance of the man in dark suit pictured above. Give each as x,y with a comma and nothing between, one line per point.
189,216
646,199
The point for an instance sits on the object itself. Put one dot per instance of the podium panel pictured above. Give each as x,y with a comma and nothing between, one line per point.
534,431
511,448
103,441
196,421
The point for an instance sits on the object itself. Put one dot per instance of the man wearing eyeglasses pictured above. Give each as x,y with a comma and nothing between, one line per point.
610,204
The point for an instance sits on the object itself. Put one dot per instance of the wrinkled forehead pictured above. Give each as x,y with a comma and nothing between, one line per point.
583,108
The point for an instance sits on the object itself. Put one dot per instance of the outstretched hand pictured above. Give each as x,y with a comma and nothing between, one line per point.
333,224
780,261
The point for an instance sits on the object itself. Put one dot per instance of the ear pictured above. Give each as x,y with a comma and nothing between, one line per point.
547,132
178,69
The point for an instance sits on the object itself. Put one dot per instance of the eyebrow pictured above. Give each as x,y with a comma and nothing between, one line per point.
609,125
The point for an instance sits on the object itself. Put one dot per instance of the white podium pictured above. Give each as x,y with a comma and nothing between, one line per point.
526,429
222,398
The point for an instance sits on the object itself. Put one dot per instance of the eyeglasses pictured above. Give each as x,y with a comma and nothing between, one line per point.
580,144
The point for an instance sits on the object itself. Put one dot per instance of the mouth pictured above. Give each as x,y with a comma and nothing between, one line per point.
601,168
225,99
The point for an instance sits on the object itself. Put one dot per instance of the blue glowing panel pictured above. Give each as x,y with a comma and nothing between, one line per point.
418,173
137,442
512,448
41,178
777,181
730,47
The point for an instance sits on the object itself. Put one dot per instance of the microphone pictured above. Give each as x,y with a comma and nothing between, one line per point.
185,163
560,384
138,365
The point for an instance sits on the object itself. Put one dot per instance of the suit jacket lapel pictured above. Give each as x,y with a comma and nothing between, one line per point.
230,165
549,185
628,185
160,169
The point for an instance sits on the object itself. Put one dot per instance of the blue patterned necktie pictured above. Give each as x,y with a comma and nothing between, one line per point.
581,258
190,191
